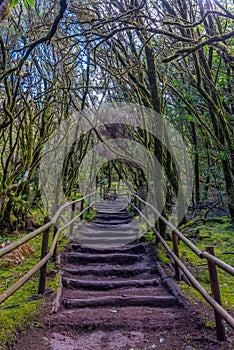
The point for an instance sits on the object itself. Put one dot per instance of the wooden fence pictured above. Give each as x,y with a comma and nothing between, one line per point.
45,253
214,300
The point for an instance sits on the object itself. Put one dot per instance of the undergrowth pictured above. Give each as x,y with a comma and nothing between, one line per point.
21,309
218,234
221,236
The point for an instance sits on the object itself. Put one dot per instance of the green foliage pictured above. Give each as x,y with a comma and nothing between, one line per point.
21,309
150,237
14,2
193,296
217,232
221,236
162,255
131,211
75,195
191,118
16,315
15,208
88,216
223,155
27,3
210,324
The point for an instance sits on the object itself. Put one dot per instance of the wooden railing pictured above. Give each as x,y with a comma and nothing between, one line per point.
45,253
220,313
214,300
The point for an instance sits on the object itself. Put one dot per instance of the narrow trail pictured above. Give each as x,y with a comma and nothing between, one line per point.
115,295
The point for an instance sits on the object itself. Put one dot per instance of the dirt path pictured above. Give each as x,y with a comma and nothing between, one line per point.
153,320
118,298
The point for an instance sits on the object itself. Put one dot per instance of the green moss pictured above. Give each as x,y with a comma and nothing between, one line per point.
16,314
162,255
142,226
89,215
22,308
193,296
150,236
220,235
210,324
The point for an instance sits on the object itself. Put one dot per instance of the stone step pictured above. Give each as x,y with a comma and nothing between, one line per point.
108,234
121,301
107,285
130,248
108,209
105,231
110,206
111,271
110,222
120,214
105,241
112,217
83,227
157,320
115,258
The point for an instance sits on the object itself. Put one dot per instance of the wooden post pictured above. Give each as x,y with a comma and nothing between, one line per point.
55,250
81,208
214,283
157,227
44,250
176,251
175,241
135,201
89,201
146,215
72,217
140,219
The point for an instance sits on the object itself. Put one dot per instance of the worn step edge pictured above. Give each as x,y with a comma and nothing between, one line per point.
134,248
107,235
110,222
106,285
109,242
102,258
114,271
117,215
124,227
120,301
109,229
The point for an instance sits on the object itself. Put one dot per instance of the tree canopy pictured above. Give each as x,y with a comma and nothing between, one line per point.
172,56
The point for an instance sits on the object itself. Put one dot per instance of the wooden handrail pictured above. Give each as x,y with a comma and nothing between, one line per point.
216,306
202,254
19,283
16,244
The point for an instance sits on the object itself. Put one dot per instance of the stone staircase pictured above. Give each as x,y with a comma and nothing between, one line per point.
117,277
112,226
114,293
108,265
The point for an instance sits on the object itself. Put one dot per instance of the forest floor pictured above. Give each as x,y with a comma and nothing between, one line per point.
124,329
139,328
